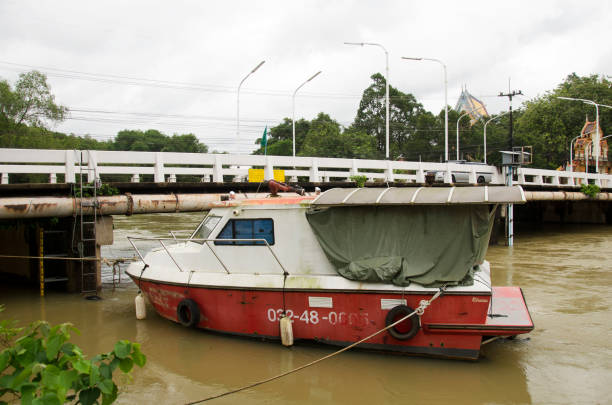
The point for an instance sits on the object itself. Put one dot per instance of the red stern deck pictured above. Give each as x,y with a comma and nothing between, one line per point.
508,315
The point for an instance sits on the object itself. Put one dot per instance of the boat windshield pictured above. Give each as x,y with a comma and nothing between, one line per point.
205,228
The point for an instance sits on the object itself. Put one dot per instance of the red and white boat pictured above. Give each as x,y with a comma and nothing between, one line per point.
341,266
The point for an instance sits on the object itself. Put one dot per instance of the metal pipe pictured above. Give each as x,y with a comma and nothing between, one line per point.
564,196
41,207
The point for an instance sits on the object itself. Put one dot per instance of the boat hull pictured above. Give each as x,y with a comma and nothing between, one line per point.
453,326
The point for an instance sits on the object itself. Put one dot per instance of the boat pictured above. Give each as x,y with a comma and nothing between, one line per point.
340,266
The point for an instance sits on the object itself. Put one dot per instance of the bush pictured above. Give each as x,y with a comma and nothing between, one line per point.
42,367
590,189
359,179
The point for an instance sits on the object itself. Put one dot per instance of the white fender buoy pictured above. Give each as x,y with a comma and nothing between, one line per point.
286,331
141,310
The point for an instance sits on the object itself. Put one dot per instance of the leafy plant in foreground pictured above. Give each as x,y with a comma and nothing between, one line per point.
43,367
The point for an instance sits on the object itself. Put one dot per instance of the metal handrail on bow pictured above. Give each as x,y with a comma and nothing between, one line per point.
262,242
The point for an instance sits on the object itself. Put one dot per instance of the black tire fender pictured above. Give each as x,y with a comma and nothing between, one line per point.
188,313
397,313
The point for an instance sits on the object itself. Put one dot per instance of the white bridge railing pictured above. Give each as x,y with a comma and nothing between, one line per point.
169,166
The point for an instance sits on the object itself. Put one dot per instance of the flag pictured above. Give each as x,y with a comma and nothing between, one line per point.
264,138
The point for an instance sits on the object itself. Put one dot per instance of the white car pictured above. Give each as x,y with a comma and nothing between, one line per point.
460,176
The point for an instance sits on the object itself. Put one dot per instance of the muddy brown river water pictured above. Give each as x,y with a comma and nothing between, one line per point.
565,273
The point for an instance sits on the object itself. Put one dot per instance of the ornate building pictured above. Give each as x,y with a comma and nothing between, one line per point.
471,105
584,154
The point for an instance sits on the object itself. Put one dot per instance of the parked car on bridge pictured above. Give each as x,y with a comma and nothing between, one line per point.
460,176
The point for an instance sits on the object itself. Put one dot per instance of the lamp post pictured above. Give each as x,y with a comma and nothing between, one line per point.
445,101
238,97
386,90
293,101
485,134
572,153
459,119
596,139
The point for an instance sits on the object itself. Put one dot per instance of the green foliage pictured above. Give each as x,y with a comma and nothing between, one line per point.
104,189
359,179
42,367
549,123
30,102
590,189
154,141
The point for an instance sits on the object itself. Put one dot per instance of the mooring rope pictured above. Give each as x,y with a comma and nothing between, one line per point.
419,311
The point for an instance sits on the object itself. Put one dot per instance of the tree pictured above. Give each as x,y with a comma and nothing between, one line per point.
404,111
548,124
154,141
326,139
280,138
31,102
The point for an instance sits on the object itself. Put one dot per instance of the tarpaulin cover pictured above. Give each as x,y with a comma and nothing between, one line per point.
428,245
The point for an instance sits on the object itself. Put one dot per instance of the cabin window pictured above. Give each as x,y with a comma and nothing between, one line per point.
205,228
247,229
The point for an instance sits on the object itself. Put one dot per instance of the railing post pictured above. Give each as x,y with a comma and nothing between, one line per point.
420,175
4,179
52,178
555,180
70,172
268,169
135,178
598,180
389,172
448,176
172,178
218,170
314,171
160,176
354,169
92,166
521,176
472,176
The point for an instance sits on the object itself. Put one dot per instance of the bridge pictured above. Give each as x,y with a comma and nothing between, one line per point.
171,167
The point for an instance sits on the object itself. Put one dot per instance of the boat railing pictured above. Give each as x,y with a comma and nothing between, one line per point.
262,242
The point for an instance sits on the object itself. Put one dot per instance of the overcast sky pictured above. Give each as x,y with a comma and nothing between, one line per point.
175,66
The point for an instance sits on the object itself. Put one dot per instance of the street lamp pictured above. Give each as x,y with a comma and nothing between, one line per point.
485,134
459,119
293,99
386,90
445,101
238,97
572,153
596,139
